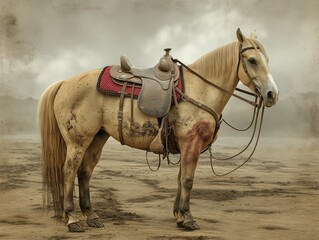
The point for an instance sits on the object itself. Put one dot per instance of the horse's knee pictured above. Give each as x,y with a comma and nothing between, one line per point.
188,183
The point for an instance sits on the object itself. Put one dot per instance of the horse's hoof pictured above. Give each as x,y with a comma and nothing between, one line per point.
191,226
75,227
96,223
180,224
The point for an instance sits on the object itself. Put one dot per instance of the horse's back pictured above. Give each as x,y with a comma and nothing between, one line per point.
80,87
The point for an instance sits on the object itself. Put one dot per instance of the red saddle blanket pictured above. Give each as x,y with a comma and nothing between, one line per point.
106,85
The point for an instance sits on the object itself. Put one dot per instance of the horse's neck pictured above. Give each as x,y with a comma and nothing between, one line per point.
220,67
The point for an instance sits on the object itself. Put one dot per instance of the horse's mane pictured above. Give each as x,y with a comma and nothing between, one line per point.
217,62
221,60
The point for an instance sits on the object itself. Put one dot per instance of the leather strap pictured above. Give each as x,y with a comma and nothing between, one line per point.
132,110
215,85
198,104
120,113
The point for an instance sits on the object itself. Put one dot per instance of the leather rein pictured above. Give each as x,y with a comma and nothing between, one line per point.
256,104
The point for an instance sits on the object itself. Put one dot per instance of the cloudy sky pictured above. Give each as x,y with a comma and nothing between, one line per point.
44,41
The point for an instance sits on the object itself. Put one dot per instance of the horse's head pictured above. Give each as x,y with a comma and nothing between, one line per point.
253,69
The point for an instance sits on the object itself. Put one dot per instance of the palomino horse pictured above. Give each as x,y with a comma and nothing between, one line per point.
76,121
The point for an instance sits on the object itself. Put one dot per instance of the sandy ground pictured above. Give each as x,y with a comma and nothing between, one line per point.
275,196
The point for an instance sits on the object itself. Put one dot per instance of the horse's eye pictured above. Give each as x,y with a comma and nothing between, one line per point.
252,61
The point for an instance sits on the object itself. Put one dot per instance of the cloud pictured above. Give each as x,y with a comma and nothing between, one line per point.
42,42
48,41
16,54
191,39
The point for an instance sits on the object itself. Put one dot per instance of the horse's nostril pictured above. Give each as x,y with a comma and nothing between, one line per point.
270,95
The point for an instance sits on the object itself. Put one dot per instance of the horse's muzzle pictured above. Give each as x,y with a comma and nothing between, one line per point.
270,92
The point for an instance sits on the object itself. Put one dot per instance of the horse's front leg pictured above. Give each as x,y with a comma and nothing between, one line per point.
187,169
198,137
178,195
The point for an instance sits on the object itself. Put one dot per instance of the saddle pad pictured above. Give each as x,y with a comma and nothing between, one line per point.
106,85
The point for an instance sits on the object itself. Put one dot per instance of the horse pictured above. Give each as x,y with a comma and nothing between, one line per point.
76,121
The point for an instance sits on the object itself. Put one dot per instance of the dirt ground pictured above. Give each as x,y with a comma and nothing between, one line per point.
275,196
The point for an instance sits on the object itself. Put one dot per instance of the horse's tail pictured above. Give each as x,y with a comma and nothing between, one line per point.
53,150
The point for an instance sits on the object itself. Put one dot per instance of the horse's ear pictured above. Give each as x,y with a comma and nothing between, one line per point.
253,34
240,36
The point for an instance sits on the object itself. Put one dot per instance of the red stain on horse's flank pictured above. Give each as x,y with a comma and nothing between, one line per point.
200,134
202,130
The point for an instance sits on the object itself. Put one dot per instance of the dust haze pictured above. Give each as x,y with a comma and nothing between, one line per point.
43,42
274,196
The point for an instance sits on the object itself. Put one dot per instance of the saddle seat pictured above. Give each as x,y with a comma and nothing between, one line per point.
157,83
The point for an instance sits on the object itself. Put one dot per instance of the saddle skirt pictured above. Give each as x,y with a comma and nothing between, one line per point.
154,95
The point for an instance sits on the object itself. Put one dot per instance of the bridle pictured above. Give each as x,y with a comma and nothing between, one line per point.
257,104
241,59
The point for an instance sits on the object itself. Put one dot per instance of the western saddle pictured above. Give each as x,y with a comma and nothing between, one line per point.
157,83
155,98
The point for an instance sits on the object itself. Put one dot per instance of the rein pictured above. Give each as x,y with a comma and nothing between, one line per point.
256,104
211,156
218,87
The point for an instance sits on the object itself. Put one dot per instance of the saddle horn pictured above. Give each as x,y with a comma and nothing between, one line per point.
165,63
126,65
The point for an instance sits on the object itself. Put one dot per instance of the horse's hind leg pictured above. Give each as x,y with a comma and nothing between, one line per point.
77,143
91,158
74,157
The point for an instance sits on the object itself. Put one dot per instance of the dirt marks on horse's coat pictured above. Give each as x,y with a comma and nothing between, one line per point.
136,129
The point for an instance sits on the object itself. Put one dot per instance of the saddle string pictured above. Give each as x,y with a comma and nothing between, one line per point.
247,159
